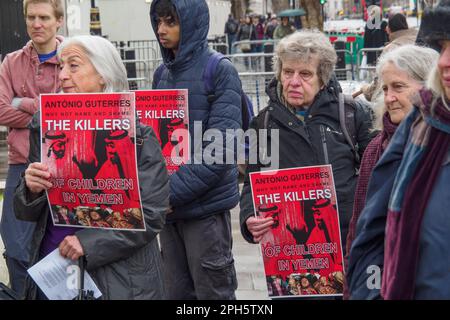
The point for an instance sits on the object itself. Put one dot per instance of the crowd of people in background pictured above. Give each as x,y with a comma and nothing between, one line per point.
256,27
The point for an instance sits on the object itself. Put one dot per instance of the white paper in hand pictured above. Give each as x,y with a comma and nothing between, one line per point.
58,277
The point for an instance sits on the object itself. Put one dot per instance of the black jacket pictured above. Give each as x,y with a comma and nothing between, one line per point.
375,37
246,32
302,144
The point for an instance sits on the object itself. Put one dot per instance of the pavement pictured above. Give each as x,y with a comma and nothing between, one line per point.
3,271
248,262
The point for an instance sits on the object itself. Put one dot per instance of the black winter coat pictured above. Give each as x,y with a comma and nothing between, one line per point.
375,38
303,144
125,265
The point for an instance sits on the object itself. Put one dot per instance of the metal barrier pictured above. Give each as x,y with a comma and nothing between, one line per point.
252,62
346,73
254,43
351,41
254,85
146,49
140,78
255,68
141,59
221,47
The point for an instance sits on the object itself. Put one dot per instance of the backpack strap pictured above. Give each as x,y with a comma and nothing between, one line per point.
210,71
247,113
347,123
208,80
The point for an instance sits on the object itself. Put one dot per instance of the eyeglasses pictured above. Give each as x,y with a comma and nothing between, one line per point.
305,75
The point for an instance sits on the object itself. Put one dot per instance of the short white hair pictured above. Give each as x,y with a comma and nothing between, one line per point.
105,59
415,61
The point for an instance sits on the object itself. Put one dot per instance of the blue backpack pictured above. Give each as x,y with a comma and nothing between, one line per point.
247,112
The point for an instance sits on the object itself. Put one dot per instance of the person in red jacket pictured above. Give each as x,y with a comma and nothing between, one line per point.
24,74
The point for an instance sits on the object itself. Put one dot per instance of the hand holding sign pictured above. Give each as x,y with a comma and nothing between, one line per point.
37,178
258,226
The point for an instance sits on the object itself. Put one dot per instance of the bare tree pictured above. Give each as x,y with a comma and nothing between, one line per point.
239,8
313,18
280,5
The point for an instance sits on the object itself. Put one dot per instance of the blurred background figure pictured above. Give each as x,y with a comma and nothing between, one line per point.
231,30
375,35
270,27
283,29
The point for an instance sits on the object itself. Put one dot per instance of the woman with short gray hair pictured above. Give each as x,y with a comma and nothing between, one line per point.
303,46
304,107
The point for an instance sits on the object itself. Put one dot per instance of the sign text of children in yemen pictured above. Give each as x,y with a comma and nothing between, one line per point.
88,146
166,111
302,252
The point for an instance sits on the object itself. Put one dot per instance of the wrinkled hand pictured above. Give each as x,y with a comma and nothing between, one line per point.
37,177
71,248
259,226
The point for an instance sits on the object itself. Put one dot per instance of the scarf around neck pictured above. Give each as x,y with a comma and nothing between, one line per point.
370,158
418,171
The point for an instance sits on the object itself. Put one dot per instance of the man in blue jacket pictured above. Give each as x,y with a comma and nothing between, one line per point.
196,241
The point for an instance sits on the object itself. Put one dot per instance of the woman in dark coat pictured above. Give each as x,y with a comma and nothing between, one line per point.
303,110
123,264
375,35
402,235
402,72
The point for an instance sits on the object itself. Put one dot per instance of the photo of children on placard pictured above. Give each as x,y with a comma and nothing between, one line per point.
302,253
92,165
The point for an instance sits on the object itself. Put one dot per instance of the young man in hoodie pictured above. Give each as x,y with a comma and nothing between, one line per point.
24,74
196,241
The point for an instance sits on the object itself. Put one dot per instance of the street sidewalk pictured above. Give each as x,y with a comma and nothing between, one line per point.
3,270
249,264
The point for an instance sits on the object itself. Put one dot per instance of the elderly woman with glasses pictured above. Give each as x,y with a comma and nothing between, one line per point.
123,264
303,125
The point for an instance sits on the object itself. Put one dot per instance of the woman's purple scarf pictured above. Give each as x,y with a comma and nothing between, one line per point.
416,176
